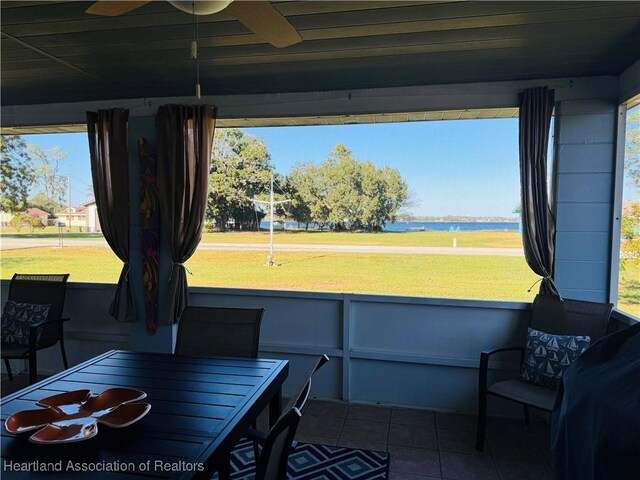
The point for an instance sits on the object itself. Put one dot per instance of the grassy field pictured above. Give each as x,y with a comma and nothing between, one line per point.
495,239
486,239
447,276
458,276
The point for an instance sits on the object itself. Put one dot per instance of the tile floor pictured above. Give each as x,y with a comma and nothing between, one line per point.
427,445
424,445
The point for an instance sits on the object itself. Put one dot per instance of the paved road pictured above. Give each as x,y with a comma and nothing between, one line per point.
15,243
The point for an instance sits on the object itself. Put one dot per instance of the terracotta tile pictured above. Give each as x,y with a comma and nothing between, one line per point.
413,436
412,416
464,466
523,447
459,441
326,409
512,469
456,421
324,427
416,461
370,413
364,431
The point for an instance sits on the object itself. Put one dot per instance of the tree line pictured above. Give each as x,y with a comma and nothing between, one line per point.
341,193
29,176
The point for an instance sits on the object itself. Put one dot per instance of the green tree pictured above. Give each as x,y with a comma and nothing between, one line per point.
632,147
630,233
47,165
240,171
310,187
349,194
296,209
42,201
16,173
25,220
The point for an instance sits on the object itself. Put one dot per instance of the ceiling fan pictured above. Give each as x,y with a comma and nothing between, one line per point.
258,16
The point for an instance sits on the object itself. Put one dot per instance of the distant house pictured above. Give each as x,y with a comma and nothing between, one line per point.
518,210
73,217
39,213
93,222
84,216
5,218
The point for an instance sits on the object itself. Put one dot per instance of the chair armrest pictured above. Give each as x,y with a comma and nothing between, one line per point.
487,353
46,327
484,363
46,322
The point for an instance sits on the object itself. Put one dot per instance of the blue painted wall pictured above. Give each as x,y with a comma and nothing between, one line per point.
585,156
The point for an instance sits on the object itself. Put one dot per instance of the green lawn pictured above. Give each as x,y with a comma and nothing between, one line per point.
487,239
458,276
447,276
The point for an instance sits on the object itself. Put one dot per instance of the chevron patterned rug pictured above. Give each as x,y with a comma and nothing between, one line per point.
317,462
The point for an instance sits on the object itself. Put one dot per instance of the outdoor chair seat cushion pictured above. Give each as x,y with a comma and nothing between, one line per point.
17,319
12,350
548,356
523,392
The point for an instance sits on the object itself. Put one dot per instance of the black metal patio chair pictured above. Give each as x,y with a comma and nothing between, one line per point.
272,462
271,459
46,289
297,400
219,332
551,315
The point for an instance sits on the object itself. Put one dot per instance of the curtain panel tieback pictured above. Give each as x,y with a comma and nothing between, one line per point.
126,268
179,264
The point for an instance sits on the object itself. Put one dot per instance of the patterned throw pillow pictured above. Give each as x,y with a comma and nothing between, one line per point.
548,356
18,317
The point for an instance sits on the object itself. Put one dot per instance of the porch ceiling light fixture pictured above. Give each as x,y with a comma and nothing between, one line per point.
205,7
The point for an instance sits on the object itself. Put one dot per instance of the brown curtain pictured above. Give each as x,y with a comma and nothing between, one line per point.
185,137
538,224
110,172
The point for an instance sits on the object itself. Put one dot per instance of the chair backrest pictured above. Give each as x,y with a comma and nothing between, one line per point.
299,398
570,317
40,289
219,332
273,459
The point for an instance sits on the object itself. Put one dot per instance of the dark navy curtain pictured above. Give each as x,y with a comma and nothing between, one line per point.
110,173
538,223
185,139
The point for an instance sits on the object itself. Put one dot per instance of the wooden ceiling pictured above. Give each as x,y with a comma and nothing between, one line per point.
54,52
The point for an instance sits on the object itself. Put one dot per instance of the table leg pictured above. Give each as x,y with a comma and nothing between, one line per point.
275,407
224,470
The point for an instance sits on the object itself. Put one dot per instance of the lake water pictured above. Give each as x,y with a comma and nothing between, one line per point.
433,226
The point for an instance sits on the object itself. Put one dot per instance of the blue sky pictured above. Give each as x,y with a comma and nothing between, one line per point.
466,167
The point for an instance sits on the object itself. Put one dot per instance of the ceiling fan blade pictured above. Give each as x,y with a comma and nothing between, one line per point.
265,21
114,8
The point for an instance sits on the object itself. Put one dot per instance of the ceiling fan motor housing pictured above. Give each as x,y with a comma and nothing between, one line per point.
206,7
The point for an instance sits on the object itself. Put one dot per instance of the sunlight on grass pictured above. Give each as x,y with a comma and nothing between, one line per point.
454,276
448,276
483,238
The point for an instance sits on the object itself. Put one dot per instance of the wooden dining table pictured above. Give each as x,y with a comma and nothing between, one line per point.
200,408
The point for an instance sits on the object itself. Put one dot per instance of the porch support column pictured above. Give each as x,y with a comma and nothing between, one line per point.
163,339
585,166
